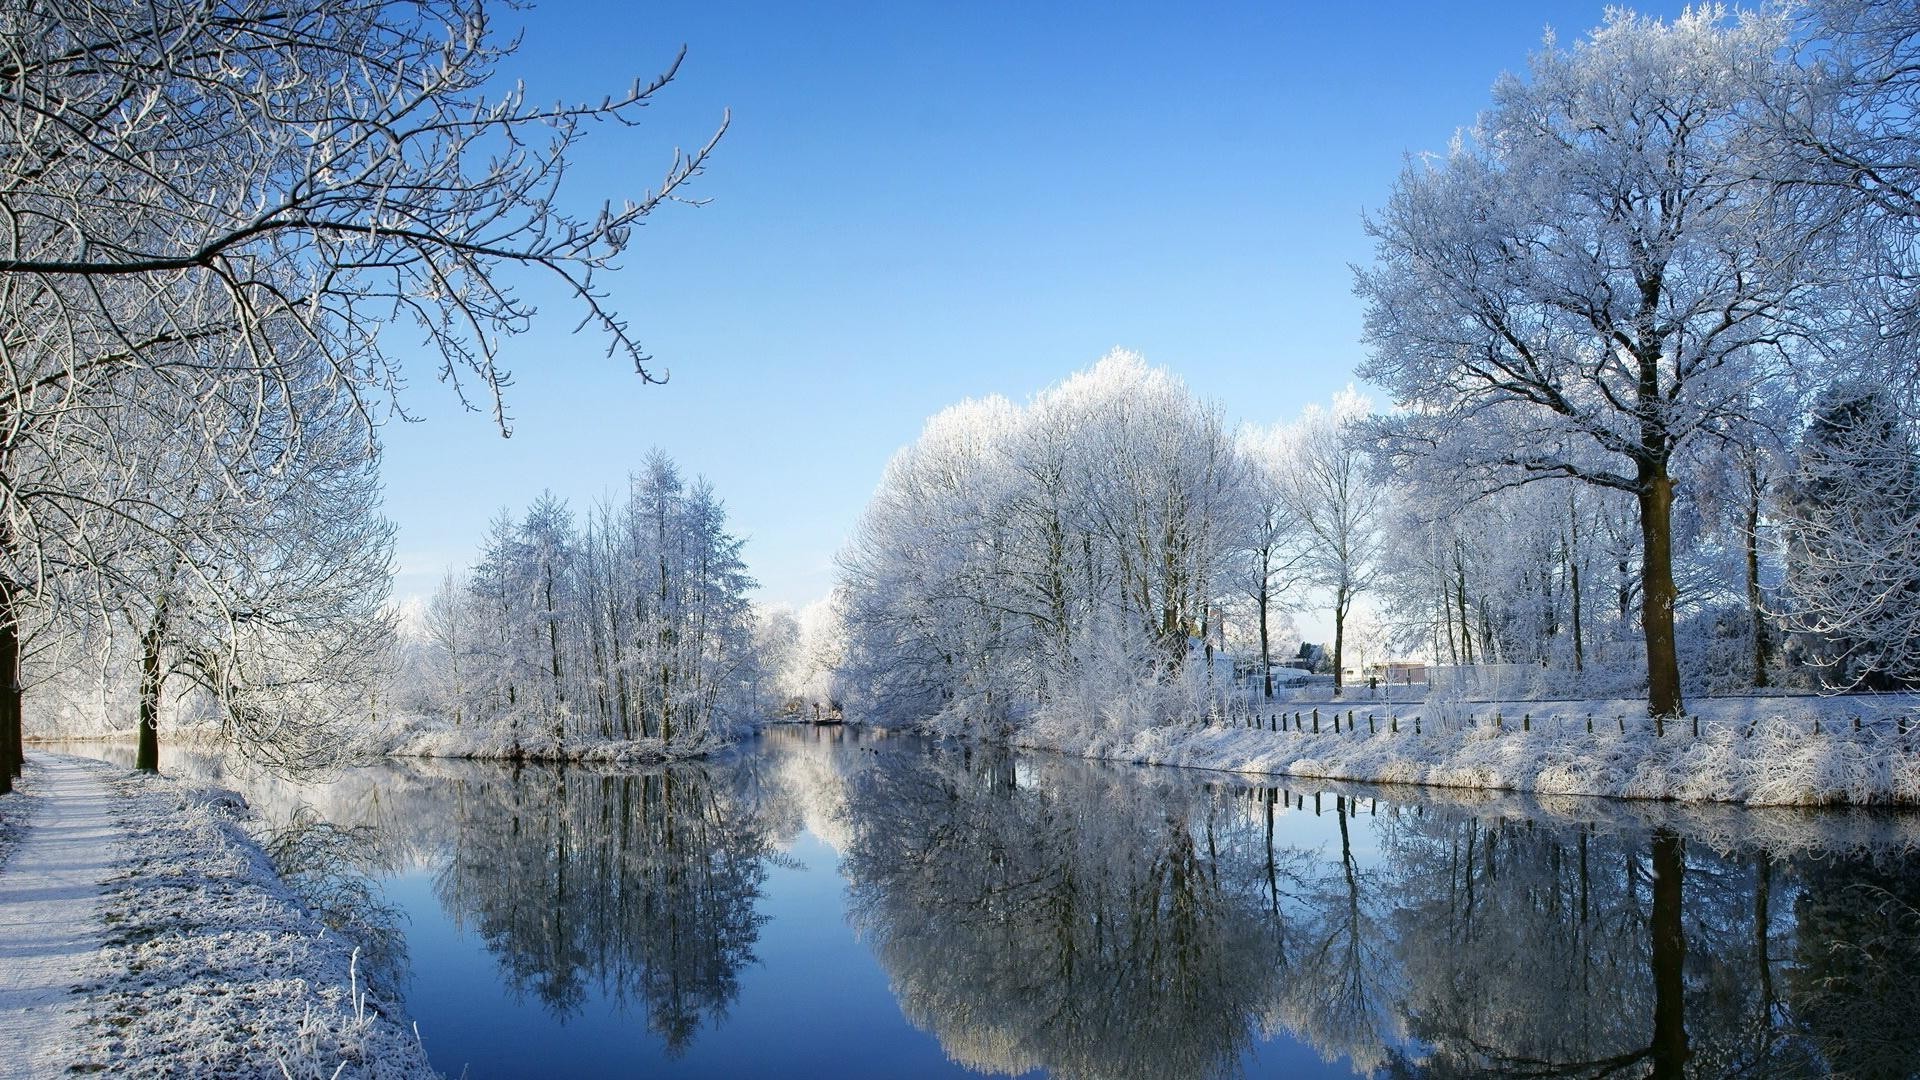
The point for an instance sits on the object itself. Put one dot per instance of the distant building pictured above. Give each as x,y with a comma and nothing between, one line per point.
1398,672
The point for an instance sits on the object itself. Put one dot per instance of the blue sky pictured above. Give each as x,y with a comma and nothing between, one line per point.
918,203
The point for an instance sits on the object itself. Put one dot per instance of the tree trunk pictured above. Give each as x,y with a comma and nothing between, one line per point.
1756,600
1657,592
1266,649
1579,639
1339,638
147,754
11,740
1460,595
553,647
1574,556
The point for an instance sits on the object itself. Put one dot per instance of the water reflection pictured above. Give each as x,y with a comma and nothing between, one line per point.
1119,923
640,888
1093,929
1039,913
335,870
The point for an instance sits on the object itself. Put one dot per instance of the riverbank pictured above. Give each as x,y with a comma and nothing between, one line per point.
1746,752
493,745
183,953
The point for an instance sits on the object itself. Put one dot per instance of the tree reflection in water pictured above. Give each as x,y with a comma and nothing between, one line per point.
1041,913
333,869
1037,912
1090,927
640,887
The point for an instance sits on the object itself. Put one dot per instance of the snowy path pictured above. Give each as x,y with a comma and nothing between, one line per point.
50,928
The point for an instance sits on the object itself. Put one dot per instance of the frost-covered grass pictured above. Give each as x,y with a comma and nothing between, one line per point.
213,968
1742,755
16,810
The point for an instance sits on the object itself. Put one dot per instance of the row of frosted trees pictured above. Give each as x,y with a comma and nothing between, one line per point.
1090,555
1018,555
631,623
1648,328
1657,258
1793,563
1086,551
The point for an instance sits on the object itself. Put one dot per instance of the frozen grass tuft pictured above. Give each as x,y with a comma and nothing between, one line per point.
16,810
213,968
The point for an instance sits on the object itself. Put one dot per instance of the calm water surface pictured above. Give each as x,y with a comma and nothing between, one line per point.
824,903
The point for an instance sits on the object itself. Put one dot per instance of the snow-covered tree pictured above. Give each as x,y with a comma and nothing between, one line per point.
1597,274
1018,556
1325,487
205,195
1274,556
635,625
1852,509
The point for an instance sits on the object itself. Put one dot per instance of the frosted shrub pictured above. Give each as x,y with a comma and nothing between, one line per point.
1447,709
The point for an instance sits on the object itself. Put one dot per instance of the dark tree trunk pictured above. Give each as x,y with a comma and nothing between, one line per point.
1756,600
147,756
12,743
1339,638
1657,592
1460,596
1573,584
1266,650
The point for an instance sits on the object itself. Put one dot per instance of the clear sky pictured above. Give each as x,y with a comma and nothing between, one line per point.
920,202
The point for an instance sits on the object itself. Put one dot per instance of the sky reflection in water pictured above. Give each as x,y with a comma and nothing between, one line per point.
823,904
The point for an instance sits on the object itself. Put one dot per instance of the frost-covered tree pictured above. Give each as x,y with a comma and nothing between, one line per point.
269,597
1274,556
1597,274
190,186
1016,556
635,625
1852,510
1325,487
1845,137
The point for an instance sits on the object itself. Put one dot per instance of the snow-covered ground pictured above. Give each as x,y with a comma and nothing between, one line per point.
206,964
50,890
1752,751
16,811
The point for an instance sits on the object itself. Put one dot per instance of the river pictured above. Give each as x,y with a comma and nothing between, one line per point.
825,902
